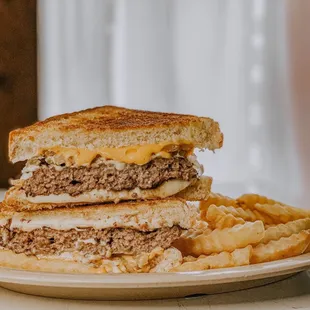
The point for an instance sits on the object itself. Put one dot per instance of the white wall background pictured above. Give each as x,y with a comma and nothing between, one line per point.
220,58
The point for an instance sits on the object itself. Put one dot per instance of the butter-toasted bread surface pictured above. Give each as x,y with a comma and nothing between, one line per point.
141,215
113,127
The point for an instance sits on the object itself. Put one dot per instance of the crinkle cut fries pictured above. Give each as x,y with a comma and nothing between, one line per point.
248,230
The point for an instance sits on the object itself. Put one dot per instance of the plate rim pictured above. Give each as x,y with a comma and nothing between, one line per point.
214,276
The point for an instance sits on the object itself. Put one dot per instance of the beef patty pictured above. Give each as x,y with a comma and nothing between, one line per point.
76,180
105,242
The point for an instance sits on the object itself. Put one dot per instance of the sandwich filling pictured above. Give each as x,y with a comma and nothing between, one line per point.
51,175
91,234
88,242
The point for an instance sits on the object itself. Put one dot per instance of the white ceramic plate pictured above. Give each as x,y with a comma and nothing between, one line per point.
150,286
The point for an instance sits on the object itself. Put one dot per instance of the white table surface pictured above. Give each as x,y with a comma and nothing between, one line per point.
292,293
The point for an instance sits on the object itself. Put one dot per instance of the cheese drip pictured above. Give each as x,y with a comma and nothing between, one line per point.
140,154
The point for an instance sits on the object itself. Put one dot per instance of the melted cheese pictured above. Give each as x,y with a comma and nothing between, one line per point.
168,188
143,217
139,154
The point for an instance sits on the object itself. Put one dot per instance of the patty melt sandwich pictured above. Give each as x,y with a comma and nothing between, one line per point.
110,154
125,237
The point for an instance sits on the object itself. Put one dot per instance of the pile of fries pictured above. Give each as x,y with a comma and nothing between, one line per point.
248,230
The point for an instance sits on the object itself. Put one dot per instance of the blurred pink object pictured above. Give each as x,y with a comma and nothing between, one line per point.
299,51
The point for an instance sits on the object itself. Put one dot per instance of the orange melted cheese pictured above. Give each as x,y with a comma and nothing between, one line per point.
140,154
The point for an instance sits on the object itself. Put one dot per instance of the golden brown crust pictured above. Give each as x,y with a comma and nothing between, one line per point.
6,209
197,191
110,126
13,201
110,118
9,259
158,260
142,215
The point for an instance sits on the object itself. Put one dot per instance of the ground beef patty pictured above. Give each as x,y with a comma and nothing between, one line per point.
105,242
74,181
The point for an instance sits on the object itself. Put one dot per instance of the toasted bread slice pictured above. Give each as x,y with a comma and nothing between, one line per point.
199,190
113,127
162,261
143,215
9,259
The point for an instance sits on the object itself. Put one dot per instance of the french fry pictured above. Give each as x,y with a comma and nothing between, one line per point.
214,214
274,230
282,213
238,257
218,241
192,233
285,230
248,201
203,215
200,227
270,225
227,221
190,258
219,218
291,246
218,200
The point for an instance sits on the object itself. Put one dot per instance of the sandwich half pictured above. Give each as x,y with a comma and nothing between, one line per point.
110,154
127,237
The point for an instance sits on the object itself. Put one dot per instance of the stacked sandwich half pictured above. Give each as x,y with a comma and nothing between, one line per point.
104,190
